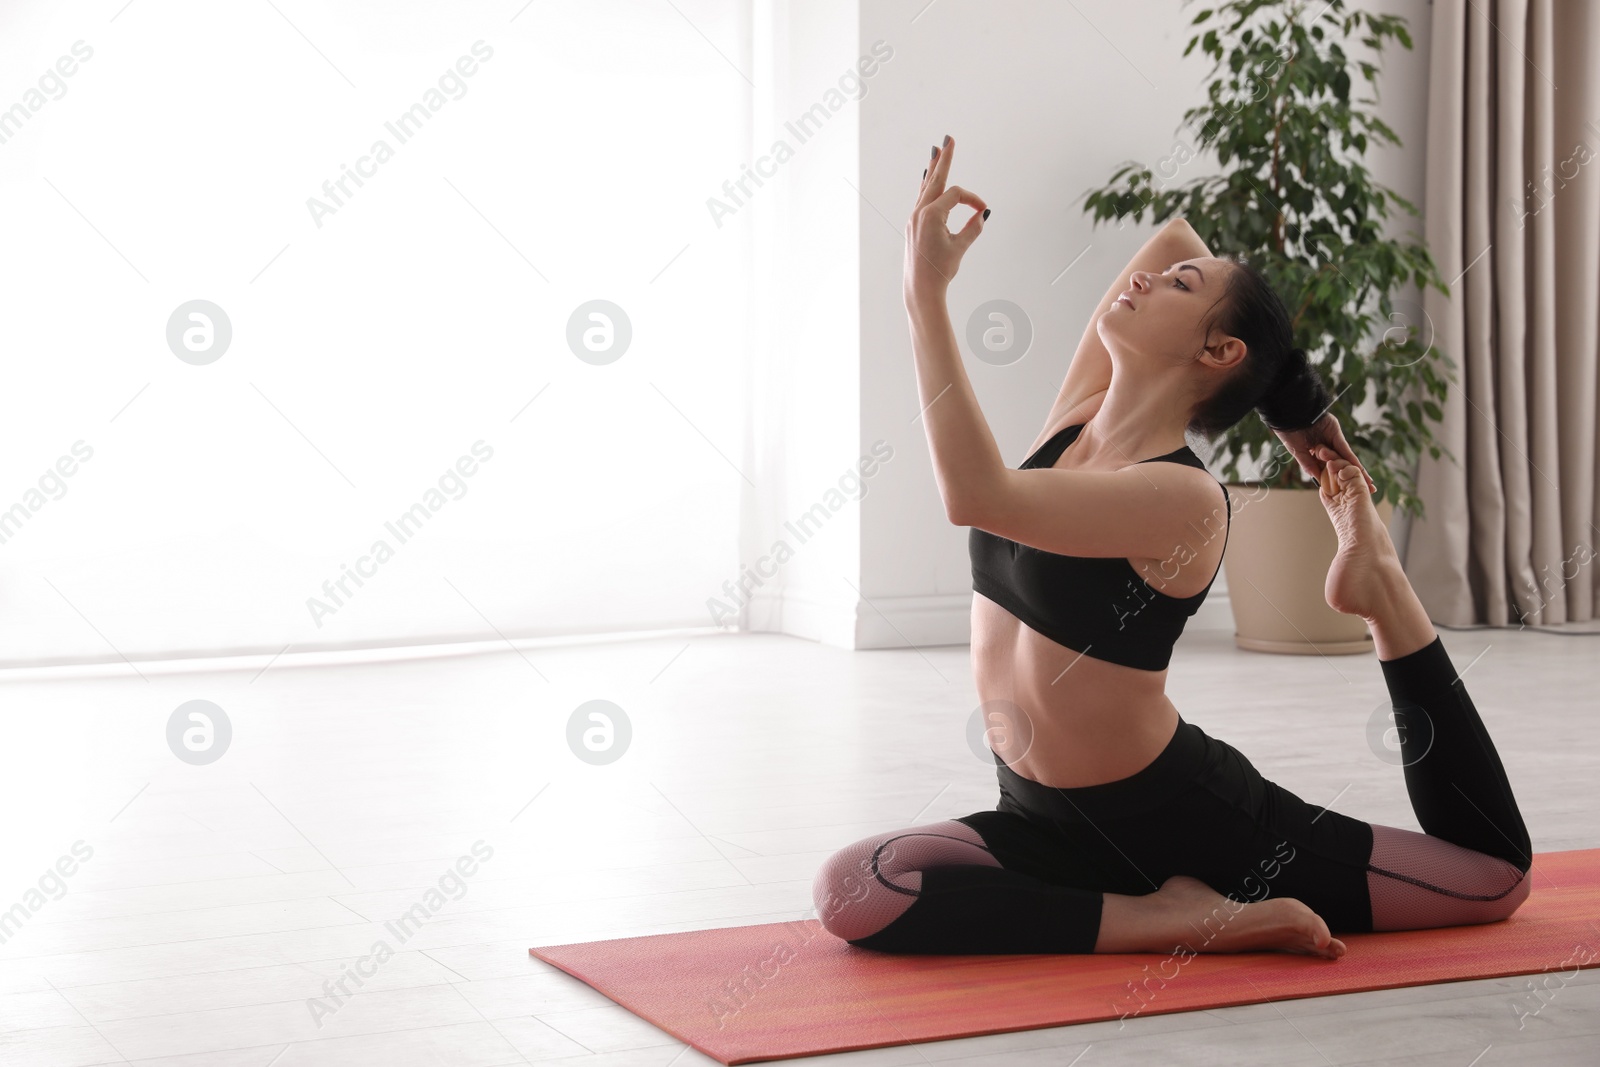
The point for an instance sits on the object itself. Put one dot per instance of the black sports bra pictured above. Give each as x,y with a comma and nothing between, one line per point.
1086,603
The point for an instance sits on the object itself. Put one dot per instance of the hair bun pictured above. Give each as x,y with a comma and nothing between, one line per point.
1288,367
1297,397
1289,370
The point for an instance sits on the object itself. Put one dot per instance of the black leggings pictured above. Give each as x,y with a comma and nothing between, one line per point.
1029,876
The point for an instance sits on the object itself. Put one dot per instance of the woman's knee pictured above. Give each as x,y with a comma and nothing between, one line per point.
839,880
1519,893
848,884
1504,892
866,885
1416,881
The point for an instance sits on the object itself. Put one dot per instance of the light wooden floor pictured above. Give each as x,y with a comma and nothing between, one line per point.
219,898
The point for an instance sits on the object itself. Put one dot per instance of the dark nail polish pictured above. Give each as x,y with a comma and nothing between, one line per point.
924,172
947,140
985,214
935,152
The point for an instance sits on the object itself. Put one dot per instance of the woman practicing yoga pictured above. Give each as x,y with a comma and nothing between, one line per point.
1120,826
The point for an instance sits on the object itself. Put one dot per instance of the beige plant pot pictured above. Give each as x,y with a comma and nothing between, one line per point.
1279,549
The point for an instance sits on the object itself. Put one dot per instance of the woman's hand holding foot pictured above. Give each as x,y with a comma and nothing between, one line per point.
1323,437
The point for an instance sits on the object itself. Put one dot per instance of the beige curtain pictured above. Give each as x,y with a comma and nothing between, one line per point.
1513,221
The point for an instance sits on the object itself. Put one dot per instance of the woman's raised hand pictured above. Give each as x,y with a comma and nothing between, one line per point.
933,253
1324,433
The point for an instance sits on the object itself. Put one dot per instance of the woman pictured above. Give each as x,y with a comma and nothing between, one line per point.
1120,826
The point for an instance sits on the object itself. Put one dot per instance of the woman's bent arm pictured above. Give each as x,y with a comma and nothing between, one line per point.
1090,370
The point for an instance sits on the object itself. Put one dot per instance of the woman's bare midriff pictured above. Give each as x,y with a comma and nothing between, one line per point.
1084,721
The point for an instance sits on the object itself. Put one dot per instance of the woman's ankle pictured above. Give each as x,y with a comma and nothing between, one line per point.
1401,625
1131,923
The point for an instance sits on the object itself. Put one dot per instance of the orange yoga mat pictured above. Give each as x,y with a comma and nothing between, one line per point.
781,990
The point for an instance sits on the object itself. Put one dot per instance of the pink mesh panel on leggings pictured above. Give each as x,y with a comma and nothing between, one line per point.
865,886
1417,882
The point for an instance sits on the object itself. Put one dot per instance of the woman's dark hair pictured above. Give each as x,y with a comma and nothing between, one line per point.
1275,377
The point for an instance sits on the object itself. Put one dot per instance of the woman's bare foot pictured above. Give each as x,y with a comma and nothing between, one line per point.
1206,921
1366,577
1366,566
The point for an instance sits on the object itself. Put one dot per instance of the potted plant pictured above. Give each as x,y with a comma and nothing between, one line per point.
1294,199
